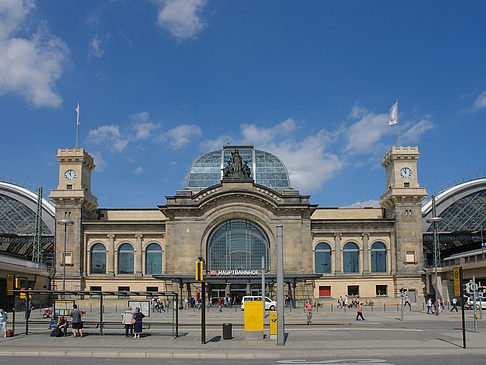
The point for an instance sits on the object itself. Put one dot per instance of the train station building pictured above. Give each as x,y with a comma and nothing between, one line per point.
228,213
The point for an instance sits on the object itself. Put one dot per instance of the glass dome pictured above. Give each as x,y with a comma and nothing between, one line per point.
266,169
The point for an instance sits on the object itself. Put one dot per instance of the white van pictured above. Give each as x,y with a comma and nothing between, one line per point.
269,304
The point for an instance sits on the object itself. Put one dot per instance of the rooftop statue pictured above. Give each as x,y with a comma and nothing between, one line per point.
236,168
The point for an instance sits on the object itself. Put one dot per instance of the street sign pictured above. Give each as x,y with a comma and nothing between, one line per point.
457,282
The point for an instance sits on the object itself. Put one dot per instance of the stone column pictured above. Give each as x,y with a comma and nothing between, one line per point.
110,255
338,255
86,259
248,289
227,289
393,254
138,255
366,254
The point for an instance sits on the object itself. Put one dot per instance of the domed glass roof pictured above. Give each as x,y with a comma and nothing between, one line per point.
266,169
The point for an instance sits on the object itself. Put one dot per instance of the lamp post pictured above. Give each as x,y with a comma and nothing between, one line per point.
65,223
435,221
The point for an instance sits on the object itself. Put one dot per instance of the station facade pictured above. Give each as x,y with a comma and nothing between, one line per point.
228,214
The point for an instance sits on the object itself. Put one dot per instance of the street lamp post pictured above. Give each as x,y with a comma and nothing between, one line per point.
435,221
65,223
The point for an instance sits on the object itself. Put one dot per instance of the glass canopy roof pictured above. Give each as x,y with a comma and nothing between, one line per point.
266,169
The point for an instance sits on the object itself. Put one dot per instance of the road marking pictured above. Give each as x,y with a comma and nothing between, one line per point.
337,362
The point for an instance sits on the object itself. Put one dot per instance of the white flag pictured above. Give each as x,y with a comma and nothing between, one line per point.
393,114
77,113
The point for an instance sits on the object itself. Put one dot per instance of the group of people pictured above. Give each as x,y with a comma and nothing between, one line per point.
133,322
439,305
158,305
346,303
309,307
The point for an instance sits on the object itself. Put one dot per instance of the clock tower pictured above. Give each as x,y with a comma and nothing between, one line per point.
74,202
402,203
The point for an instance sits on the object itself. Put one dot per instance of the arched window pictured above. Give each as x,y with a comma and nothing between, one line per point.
98,259
350,258
378,257
238,245
323,258
125,259
153,259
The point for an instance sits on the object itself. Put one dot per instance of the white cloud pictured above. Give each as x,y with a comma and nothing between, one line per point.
140,117
214,144
480,102
99,161
181,18
368,203
258,135
108,135
29,66
139,170
181,135
364,135
414,132
143,130
95,48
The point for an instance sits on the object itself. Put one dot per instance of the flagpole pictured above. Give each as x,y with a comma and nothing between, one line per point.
77,124
398,124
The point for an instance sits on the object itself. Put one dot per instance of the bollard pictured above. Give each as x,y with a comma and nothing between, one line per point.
330,306
116,308
90,308
397,307
384,307
372,308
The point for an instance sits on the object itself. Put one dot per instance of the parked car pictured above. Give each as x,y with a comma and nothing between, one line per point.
470,303
269,304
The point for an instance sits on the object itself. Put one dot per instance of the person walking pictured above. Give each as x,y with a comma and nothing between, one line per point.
454,304
3,322
359,312
137,322
407,302
127,318
77,323
308,310
220,304
429,307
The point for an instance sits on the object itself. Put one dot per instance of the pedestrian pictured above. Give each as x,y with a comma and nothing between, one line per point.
429,307
437,305
359,312
346,301
210,302
407,302
161,306
454,304
186,303
77,323
137,322
340,302
62,326
308,310
3,322
220,304
127,318
442,305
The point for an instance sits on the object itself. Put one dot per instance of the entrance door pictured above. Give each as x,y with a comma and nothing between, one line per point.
411,296
238,291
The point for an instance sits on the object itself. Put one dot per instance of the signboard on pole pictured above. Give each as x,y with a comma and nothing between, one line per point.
10,284
63,307
457,282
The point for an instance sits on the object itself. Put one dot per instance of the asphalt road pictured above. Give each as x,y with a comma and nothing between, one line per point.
432,360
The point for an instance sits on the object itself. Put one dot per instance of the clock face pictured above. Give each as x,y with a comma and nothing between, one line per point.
70,175
406,173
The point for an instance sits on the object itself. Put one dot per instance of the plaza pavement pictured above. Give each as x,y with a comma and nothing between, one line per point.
335,334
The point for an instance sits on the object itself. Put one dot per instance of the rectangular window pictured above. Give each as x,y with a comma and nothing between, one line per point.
407,185
69,187
95,288
123,288
353,290
381,290
152,288
324,291
68,259
410,257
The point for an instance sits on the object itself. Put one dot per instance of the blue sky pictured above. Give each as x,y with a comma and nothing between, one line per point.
162,82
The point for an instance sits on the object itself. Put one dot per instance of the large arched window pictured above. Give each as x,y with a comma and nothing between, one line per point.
323,258
153,259
237,245
125,259
378,257
98,259
350,258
